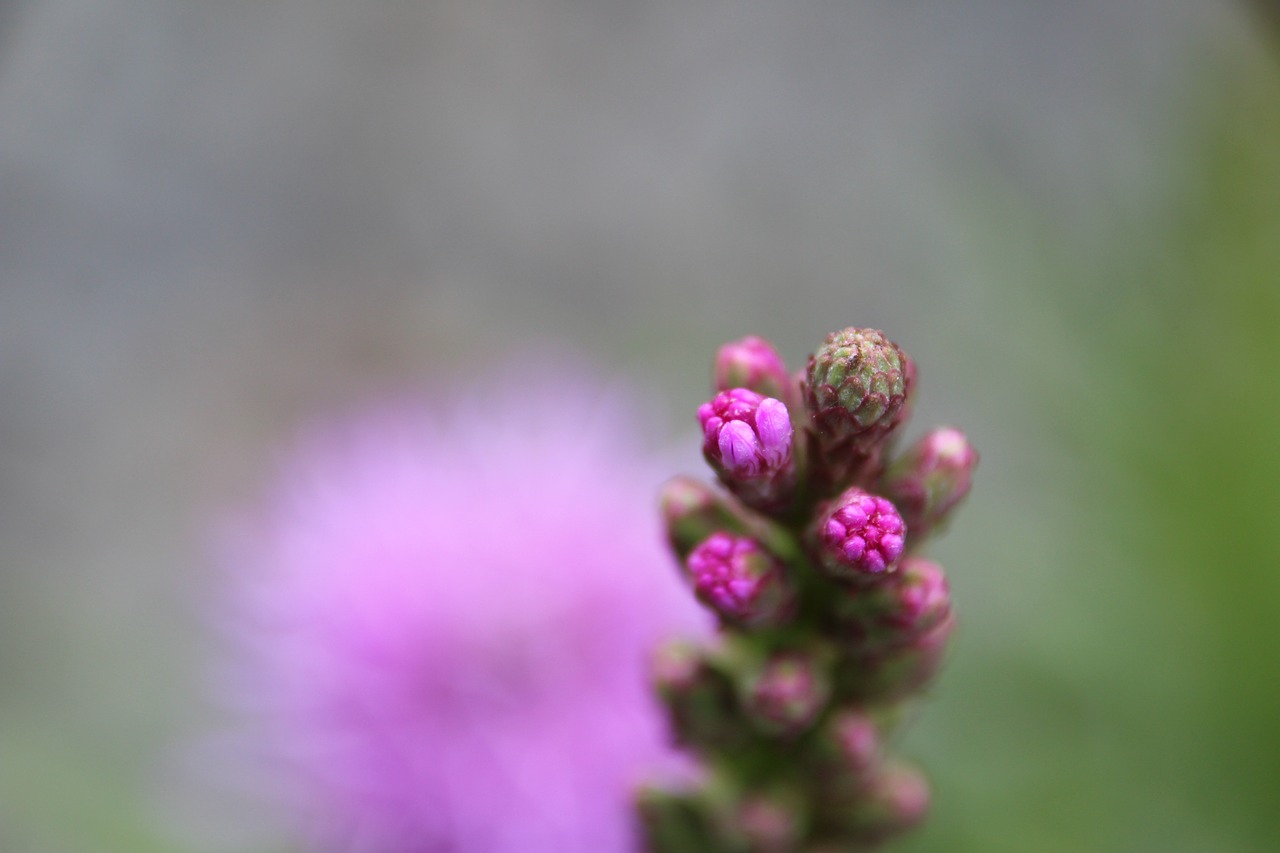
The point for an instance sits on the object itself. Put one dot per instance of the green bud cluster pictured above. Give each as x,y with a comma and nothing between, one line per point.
856,389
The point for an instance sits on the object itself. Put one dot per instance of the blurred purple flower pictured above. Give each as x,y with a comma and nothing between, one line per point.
442,628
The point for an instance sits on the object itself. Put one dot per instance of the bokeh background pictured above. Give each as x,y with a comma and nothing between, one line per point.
221,220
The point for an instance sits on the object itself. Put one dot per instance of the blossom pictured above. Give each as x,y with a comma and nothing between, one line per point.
442,622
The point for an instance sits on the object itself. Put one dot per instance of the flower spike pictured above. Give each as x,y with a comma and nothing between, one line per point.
830,621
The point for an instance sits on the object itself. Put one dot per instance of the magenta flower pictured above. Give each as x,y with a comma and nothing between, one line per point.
443,629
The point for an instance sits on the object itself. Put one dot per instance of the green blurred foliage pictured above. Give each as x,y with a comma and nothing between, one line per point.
1116,686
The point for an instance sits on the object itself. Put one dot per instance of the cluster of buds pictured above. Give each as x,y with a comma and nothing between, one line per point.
830,620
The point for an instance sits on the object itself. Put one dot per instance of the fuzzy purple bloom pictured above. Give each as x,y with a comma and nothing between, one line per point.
860,534
736,578
442,629
747,439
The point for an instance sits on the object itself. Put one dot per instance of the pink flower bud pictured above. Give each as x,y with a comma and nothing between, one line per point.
674,666
753,363
896,609
895,801
767,824
847,755
693,510
886,674
857,742
747,440
859,535
920,597
736,578
676,819
699,697
931,479
788,693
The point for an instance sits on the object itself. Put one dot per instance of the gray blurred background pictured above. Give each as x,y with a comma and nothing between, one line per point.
219,220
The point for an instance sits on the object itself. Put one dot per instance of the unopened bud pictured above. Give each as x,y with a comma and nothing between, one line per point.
747,440
674,666
919,597
888,674
856,388
692,511
896,800
739,580
754,364
845,757
931,479
788,693
859,535
675,819
897,609
765,824
699,697
856,742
